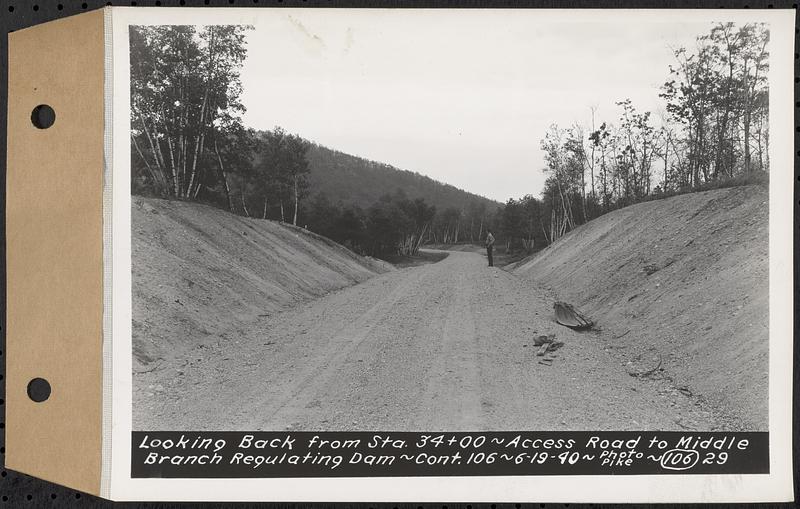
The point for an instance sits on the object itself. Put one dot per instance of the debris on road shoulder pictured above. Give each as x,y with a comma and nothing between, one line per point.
543,349
542,339
547,345
568,316
631,368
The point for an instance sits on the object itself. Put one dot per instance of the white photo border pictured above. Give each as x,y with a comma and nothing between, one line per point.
773,487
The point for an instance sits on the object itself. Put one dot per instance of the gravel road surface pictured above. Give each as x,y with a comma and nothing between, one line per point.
445,346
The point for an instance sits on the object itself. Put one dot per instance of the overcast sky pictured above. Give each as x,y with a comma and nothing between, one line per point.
461,97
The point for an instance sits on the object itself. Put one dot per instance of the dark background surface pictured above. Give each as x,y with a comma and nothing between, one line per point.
18,490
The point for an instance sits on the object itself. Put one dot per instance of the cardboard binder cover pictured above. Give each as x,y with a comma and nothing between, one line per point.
55,251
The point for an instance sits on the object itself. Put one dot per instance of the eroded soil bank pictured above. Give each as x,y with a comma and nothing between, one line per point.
684,280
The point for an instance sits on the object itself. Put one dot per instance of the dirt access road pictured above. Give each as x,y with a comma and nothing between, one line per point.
444,346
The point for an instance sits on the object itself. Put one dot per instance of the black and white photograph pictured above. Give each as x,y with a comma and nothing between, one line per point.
379,220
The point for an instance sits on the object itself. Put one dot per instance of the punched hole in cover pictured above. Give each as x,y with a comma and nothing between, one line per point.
43,116
39,390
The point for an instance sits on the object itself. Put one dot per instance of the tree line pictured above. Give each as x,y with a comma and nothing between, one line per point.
396,224
712,131
188,142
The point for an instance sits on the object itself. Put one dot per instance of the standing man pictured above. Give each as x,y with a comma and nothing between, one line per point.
489,247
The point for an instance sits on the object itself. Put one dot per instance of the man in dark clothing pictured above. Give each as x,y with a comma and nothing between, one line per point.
489,247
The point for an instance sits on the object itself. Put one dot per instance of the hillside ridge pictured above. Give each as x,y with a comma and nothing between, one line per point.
356,180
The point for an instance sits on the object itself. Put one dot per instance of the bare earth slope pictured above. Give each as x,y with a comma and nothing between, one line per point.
201,275
684,279
443,346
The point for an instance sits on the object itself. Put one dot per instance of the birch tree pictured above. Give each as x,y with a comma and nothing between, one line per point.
185,90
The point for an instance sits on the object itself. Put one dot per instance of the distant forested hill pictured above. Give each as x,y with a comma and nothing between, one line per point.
354,180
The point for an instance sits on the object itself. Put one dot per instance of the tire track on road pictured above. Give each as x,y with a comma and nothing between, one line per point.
289,403
452,397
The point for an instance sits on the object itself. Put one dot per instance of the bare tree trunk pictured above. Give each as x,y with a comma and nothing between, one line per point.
244,202
158,157
265,209
296,201
198,147
567,211
760,148
723,128
546,238
591,165
224,176
194,180
419,240
172,163
747,109
156,176
583,199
